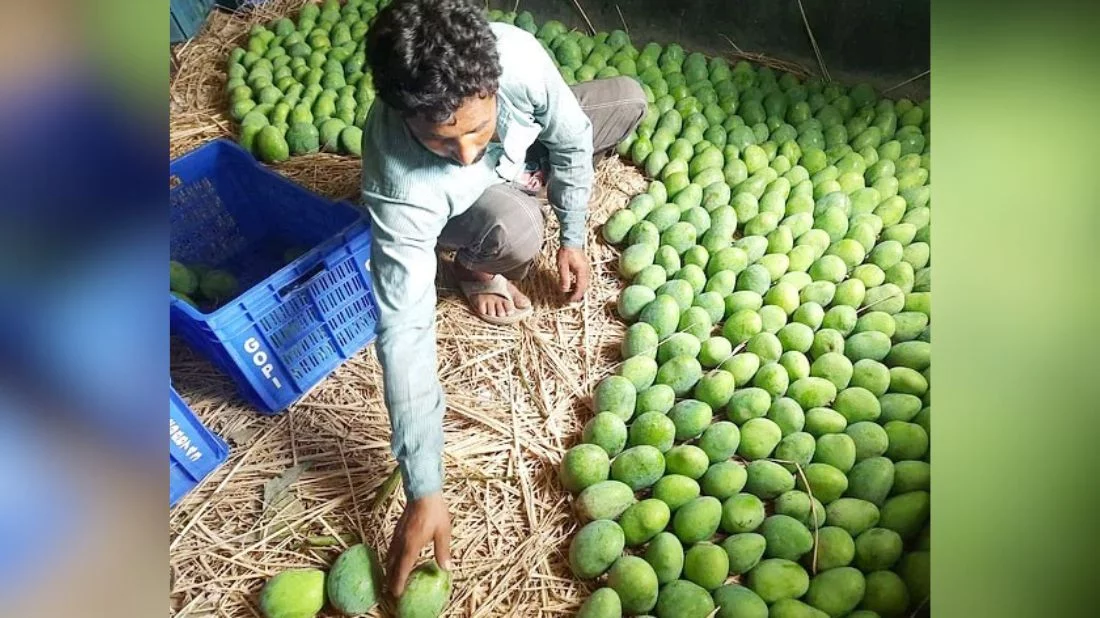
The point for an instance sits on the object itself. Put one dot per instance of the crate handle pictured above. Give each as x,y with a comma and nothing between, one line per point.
302,280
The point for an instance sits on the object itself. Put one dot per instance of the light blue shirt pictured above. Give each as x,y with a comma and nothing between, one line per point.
411,193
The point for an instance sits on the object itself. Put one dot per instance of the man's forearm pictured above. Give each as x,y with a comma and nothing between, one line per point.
414,400
569,190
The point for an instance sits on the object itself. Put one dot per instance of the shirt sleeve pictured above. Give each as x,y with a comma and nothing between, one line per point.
403,267
567,134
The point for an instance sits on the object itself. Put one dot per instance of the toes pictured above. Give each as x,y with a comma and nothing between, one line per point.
494,306
486,306
521,300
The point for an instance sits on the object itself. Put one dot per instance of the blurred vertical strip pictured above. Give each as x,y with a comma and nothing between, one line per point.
83,321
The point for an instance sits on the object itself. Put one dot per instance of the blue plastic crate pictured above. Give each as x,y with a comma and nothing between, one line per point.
193,450
291,325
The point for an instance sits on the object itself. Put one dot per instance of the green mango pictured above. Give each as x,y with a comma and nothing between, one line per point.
786,537
706,565
615,394
837,450
293,594
682,598
906,513
797,448
906,440
743,366
915,570
872,376
656,398
697,520
427,592
885,594
871,480
687,460
877,549
856,403
775,579
853,515
835,548
869,438
836,591
767,479
723,479
603,500
635,582
759,437
642,521
676,490
606,430
595,548
638,467
812,392
736,601
653,429
823,482
743,551
604,603
582,466
797,367
911,476
720,440
665,554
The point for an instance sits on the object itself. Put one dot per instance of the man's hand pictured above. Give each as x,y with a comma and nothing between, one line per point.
574,272
424,520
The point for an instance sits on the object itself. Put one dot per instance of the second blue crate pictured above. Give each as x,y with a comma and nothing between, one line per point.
193,450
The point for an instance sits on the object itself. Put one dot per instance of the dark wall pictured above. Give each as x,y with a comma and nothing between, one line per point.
882,41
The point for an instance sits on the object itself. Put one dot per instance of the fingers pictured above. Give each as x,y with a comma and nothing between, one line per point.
580,276
443,547
397,545
406,556
564,274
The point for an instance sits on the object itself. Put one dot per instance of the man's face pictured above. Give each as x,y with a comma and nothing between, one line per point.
464,137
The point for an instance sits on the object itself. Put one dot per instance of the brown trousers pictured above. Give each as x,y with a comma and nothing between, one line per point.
502,232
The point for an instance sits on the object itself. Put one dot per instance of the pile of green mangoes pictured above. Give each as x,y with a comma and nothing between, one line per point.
302,87
763,447
352,587
201,287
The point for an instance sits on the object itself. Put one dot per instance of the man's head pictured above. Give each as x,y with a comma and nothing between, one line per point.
435,61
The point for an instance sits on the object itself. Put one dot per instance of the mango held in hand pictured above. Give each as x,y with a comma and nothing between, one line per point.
426,593
354,581
299,593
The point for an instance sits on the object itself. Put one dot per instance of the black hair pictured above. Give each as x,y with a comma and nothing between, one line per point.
428,56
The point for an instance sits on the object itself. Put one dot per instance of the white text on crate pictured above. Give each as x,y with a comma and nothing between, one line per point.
182,440
259,358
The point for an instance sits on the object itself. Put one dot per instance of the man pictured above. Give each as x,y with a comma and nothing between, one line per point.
462,105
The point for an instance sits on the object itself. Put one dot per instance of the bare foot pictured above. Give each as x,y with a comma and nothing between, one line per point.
491,304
